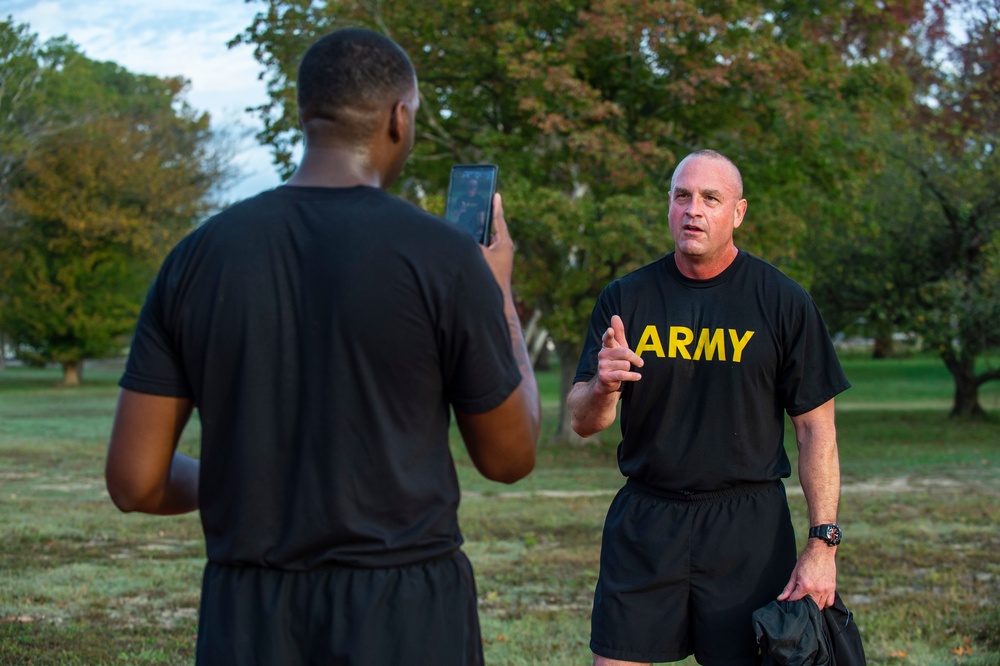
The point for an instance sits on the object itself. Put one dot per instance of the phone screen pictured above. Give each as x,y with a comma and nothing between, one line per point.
470,199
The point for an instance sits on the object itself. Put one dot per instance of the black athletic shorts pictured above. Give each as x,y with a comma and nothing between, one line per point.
422,613
682,574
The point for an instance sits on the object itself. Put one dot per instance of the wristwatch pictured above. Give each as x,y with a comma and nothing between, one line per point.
830,533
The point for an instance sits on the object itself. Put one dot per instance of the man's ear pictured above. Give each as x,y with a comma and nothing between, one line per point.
398,120
741,210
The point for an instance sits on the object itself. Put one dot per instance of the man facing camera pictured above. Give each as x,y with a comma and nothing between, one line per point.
707,349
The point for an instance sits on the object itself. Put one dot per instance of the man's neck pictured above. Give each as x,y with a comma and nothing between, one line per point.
698,268
335,166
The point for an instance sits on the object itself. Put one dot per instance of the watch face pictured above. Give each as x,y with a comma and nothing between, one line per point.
831,534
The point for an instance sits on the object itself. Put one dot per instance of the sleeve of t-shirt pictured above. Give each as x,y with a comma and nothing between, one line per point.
600,320
810,372
154,365
479,366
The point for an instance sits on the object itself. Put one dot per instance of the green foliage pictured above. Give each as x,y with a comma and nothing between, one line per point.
51,298
868,276
20,78
609,237
112,168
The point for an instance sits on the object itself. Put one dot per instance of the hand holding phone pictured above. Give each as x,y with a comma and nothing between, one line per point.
470,199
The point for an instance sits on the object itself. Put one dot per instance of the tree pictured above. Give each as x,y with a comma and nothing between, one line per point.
934,235
586,105
960,317
20,79
122,171
960,119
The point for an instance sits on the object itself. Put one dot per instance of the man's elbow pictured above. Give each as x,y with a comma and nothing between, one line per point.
581,428
127,496
587,424
125,503
511,470
510,458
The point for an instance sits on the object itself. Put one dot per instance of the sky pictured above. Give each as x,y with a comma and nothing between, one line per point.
171,38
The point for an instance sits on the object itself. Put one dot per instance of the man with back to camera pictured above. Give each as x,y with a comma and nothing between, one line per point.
708,348
322,340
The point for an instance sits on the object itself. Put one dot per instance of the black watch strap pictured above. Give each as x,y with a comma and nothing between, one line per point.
829,532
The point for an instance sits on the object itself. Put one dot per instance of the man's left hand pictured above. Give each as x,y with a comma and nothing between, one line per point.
815,575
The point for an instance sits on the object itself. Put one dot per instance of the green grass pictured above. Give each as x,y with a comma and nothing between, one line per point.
916,383
83,584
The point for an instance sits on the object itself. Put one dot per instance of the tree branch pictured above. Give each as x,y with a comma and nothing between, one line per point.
992,375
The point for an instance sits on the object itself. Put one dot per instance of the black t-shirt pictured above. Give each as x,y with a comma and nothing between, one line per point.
322,334
472,214
724,359
470,206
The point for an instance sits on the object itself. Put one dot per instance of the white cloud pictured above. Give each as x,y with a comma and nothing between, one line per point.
178,38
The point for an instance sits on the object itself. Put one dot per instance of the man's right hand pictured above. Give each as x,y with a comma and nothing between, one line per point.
499,253
615,360
593,404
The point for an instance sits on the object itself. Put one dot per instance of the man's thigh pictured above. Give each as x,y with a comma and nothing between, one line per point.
423,613
641,598
683,577
741,559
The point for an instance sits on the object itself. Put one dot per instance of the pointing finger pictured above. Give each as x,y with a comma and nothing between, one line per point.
618,326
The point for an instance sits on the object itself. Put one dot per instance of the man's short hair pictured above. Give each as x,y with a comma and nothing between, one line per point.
348,76
715,155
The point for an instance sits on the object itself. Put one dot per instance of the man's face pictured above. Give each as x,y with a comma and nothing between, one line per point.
705,207
473,186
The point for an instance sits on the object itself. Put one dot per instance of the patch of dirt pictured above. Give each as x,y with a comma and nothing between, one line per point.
70,487
899,484
17,476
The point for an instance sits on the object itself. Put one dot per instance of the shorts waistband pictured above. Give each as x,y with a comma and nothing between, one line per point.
298,568
707,496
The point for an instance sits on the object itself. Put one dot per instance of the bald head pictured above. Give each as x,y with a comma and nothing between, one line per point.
737,177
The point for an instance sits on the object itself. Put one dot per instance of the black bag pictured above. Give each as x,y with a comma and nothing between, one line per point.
796,633
845,637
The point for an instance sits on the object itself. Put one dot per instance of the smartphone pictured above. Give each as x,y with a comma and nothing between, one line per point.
470,199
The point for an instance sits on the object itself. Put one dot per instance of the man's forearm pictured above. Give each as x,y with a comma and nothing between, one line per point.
529,385
177,493
590,410
819,463
819,474
181,493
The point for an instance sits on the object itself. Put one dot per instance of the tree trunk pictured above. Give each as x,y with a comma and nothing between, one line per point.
884,347
568,355
535,338
72,373
966,404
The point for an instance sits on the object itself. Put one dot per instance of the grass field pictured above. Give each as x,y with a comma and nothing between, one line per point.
81,584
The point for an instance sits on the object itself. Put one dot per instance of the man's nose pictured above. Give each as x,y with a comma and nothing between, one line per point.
695,207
